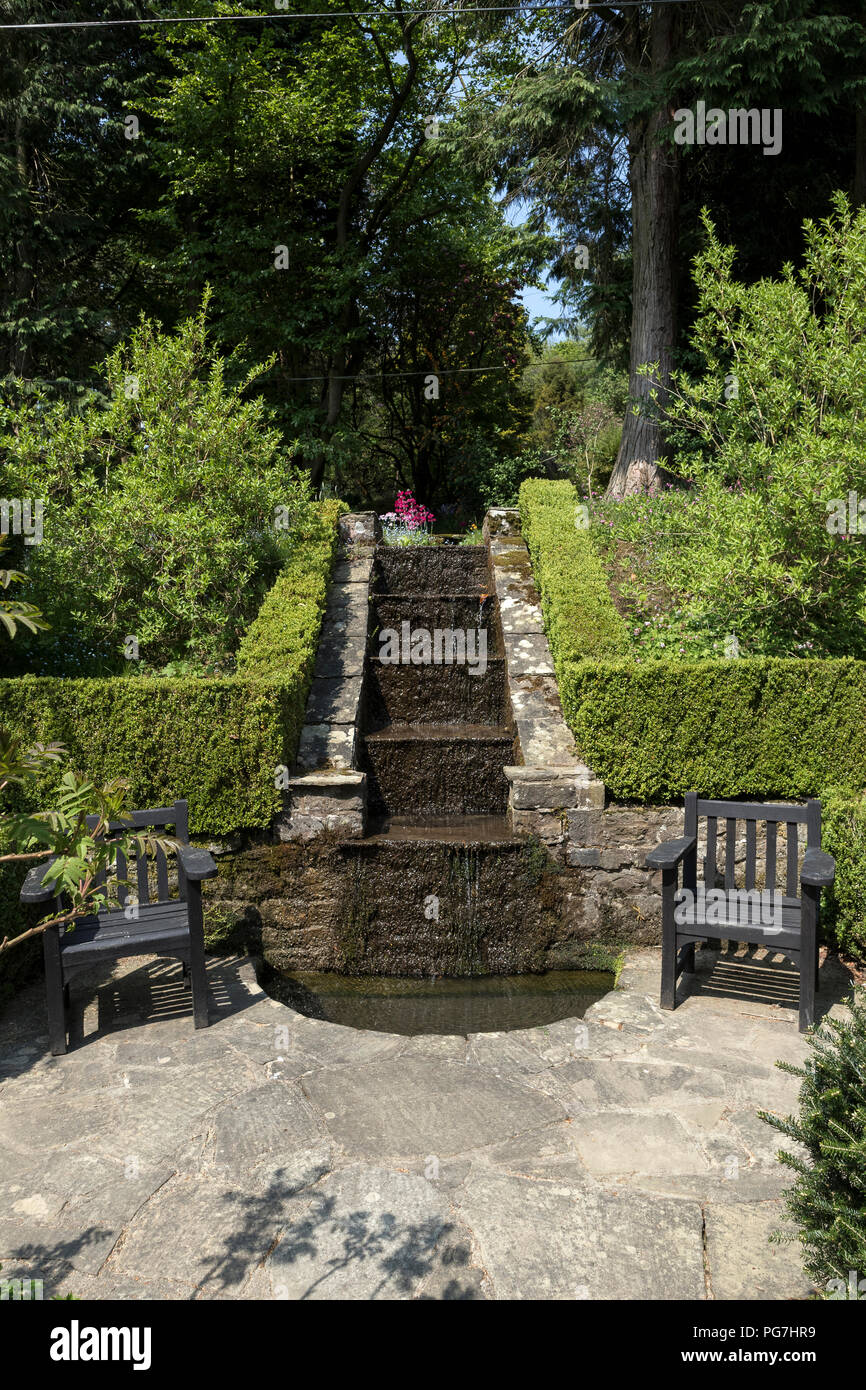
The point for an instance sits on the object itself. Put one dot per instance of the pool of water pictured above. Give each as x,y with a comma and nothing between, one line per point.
492,1004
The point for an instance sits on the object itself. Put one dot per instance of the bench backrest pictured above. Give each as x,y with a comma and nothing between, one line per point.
802,827
171,822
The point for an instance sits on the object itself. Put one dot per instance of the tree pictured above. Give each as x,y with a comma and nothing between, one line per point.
309,182
70,284
599,98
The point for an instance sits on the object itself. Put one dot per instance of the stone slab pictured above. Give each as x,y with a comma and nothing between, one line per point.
528,655
334,700
417,1107
340,653
743,1264
555,1240
327,746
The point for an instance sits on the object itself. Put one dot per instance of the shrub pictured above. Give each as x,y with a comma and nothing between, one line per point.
774,433
161,509
828,1199
579,615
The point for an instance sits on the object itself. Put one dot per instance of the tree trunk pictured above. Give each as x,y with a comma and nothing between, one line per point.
23,273
654,177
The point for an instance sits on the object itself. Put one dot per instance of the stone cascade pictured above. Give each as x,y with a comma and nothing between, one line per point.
437,724
438,820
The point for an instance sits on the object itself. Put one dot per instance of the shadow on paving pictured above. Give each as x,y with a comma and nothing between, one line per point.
331,1245
754,975
105,1004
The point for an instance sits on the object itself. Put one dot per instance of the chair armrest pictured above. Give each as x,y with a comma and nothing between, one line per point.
196,863
32,890
818,869
668,854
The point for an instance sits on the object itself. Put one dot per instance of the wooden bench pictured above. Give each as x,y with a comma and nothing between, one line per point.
154,923
738,913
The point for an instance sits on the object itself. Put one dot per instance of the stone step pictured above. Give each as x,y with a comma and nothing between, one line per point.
445,830
435,694
437,769
430,569
459,611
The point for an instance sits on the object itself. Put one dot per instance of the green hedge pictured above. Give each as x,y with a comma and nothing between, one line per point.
282,639
762,727
216,742
843,824
579,614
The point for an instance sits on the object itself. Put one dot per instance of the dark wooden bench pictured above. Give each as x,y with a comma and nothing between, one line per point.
161,925
794,930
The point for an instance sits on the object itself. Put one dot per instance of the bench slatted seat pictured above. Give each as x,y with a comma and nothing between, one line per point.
695,911
159,925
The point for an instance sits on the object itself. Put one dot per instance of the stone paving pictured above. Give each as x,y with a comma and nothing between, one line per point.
275,1156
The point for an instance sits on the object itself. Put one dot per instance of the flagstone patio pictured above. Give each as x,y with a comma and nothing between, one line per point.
275,1156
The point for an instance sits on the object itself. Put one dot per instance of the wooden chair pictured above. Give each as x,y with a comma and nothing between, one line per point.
741,916
161,925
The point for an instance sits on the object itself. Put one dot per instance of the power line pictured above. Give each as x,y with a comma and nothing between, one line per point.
450,12
363,376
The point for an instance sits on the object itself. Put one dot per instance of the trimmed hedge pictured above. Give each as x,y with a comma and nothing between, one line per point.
282,639
763,727
843,826
216,742
579,613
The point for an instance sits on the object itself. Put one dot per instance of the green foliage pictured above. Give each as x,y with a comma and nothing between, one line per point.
757,727
217,741
78,855
828,1199
283,638
161,510
774,434
577,408
579,615
843,914
14,612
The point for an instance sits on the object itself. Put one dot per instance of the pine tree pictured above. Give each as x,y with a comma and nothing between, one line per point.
828,1199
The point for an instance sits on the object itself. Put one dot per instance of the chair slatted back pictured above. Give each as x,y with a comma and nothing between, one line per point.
173,821
770,816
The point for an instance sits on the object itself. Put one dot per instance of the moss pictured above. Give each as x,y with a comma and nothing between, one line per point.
357,911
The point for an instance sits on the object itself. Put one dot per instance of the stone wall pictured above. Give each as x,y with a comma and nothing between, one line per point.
311,905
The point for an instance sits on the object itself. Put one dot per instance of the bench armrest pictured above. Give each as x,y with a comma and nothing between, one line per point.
668,854
196,863
32,890
818,870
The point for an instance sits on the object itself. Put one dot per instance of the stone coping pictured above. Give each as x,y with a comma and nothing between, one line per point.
552,776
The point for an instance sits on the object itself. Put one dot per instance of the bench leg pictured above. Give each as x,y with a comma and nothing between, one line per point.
197,971
668,998
689,959
808,956
56,994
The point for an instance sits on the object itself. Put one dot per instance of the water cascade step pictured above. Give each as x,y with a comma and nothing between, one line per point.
437,729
